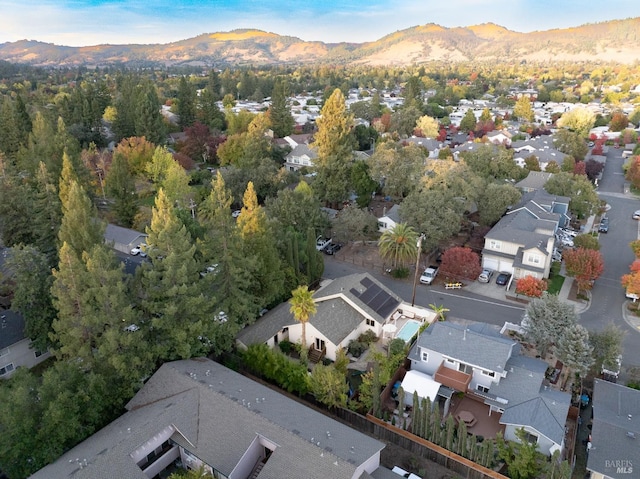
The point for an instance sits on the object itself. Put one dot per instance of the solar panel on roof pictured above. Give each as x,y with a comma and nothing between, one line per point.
366,282
375,297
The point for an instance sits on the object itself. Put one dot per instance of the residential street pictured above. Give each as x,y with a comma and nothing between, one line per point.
608,299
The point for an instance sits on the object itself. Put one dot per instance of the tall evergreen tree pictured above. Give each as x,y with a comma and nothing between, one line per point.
258,241
232,287
186,103
334,144
121,186
124,126
282,121
47,215
32,293
148,119
10,136
169,293
80,227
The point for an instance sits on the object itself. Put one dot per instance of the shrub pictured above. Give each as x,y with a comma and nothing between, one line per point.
286,346
368,337
400,273
356,348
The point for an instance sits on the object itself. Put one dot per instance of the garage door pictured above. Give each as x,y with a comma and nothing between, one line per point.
490,263
506,266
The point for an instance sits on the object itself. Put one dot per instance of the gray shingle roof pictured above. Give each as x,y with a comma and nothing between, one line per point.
267,326
121,235
393,213
616,429
534,180
530,403
11,328
456,341
360,283
217,414
335,318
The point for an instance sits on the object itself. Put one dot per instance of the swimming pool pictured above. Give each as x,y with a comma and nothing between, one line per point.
408,330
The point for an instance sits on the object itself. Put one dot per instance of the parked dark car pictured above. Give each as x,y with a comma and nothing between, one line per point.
333,248
604,225
503,279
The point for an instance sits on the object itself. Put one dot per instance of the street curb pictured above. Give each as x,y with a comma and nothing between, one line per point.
632,320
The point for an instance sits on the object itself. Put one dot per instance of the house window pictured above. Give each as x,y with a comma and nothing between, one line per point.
285,329
7,369
491,374
38,353
493,244
381,224
451,361
482,389
530,438
533,258
371,322
425,357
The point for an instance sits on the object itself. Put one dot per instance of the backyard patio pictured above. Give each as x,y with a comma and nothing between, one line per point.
476,416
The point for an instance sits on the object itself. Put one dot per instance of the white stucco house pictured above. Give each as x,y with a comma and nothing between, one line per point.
346,308
389,219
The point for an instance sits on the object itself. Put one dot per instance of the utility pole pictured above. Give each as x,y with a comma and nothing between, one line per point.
415,276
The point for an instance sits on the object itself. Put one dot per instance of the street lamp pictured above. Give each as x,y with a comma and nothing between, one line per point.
415,276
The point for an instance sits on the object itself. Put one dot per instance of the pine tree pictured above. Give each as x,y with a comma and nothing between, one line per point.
80,227
334,144
10,136
120,185
47,215
232,288
258,240
170,295
148,120
186,103
32,293
124,125
282,121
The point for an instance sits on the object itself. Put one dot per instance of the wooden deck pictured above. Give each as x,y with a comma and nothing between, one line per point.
485,425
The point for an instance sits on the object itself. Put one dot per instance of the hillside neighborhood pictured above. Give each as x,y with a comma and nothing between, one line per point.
426,275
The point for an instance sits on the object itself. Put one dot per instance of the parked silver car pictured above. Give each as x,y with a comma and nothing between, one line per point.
485,276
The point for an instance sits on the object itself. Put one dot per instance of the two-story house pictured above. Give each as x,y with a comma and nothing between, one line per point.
478,361
301,153
346,308
15,347
522,241
197,413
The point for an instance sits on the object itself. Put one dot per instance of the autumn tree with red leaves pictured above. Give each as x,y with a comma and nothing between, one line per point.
585,265
633,173
531,286
460,263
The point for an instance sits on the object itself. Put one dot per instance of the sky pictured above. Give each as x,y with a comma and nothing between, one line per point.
93,22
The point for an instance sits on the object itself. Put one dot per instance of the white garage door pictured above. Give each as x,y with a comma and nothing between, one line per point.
506,266
490,263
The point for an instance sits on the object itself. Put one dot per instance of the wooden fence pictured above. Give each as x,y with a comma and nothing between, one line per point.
420,447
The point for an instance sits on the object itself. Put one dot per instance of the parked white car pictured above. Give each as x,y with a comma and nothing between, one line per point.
139,250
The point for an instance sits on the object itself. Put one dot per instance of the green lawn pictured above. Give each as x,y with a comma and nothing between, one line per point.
555,283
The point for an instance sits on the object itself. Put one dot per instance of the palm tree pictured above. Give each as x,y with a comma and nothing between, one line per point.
399,244
440,311
302,308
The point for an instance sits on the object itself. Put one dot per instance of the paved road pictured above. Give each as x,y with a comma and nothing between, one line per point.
461,304
608,300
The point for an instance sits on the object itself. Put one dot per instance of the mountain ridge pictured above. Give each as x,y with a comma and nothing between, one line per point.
611,41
